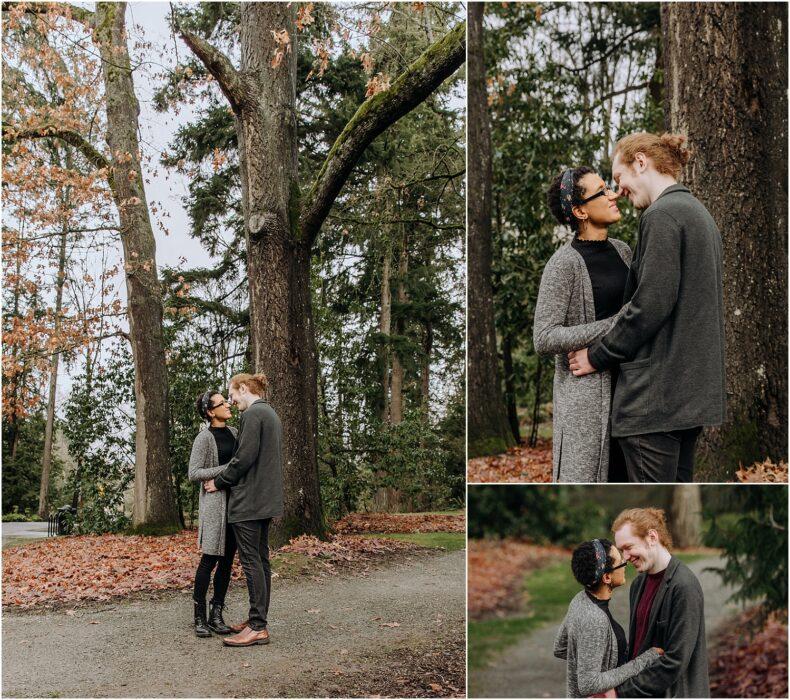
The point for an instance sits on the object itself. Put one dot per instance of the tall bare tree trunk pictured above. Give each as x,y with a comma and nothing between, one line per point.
510,387
385,328
685,521
727,91
154,502
396,401
487,427
425,370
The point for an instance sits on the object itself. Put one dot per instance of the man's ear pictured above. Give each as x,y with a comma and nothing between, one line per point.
640,161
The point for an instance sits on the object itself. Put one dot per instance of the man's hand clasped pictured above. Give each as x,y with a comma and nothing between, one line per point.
580,363
209,486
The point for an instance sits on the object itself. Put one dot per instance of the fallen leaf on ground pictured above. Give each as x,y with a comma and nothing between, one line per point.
389,523
763,472
390,624
520,464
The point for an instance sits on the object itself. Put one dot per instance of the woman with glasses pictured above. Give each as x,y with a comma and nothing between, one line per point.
212,450
580,296
590,640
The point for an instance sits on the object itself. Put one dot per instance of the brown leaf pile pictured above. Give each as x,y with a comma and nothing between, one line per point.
359,523
100,567
762,472
496,573
755,667
520,464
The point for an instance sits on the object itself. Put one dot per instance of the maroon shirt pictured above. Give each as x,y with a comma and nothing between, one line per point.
643,610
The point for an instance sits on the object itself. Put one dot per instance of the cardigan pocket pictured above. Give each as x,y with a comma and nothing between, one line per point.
632,396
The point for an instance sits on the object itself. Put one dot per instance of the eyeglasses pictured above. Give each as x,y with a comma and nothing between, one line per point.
606,188
221,403
615,568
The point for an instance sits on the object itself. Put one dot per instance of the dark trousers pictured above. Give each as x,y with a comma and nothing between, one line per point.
224,566
660,457
252,537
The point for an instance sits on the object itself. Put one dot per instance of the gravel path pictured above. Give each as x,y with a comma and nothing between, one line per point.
19,533
530,669
321,631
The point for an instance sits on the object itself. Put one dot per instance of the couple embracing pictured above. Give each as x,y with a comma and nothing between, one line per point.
665,653
638,339
242,490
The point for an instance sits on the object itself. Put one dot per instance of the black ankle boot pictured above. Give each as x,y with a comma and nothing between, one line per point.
201,628
215,621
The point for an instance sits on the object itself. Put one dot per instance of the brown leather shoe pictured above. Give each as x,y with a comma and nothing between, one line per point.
247,637
240,627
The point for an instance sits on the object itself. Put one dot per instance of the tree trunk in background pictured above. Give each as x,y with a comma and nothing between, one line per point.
385,328
154,502
727,91
425,374
685,518
510,387
49,429
396,402
533,433
487,426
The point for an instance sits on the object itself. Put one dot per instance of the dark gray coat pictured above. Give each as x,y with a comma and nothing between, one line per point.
212,507
677,625
669,341
565,321
254,475
586,641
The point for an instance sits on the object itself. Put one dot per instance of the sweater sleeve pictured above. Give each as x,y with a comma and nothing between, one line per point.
561,641
590,678
197,470
683,629
550,336
246,454
654,298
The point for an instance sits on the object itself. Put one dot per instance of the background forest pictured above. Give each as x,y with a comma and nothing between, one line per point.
563,82
384,272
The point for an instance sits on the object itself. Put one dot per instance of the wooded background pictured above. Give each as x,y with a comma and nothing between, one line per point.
321,148
557,84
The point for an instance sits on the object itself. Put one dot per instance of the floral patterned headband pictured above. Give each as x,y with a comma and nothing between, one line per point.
566,195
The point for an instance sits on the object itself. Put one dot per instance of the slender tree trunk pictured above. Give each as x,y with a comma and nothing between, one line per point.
727,91
385,328
686,515
487,426
396,402
510,387
425,373
46,462
154,502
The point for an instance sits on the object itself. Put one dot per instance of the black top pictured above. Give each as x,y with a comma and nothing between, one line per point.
619,632
608,274
226,443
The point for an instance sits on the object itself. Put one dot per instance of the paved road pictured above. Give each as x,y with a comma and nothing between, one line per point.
16,533
320,631
530,669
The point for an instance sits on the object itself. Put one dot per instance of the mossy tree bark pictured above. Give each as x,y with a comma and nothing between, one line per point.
282,224
727,91
488,431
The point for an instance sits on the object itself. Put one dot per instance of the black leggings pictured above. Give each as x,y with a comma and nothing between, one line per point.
224,565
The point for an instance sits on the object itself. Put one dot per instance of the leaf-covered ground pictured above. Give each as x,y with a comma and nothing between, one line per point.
763,472
496,573
67,570
750,667
520,464
360,523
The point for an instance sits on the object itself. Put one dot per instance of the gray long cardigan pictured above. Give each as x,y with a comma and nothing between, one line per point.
213,507
587,642
565,321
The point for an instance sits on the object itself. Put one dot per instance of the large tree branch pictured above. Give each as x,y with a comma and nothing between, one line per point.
79,142
373,117
231,82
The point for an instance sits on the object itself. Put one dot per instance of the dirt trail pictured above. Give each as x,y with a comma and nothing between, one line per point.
323,632
530,669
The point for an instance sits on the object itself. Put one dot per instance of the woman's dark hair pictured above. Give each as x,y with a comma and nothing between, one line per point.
203,403
583,562
553,196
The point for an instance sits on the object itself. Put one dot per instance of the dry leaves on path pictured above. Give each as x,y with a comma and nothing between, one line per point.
763,472
100,567
520,464
496,573
756,667
360,523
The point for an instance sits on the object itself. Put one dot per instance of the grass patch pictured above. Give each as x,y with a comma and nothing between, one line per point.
451,541
291,564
